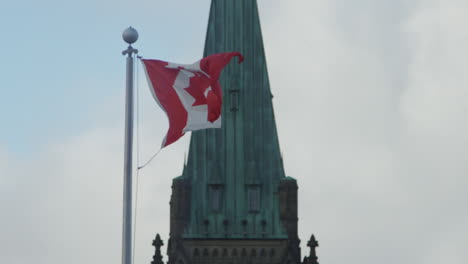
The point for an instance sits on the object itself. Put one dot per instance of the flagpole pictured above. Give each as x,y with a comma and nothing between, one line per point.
130,35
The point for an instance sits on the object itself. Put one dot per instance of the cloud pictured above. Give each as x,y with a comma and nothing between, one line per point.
65,205
369,103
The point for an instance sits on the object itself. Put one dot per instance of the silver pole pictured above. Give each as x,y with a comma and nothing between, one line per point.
130,36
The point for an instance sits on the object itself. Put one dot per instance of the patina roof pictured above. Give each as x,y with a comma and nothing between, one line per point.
245,151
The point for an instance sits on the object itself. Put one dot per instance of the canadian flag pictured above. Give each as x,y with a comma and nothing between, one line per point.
190,94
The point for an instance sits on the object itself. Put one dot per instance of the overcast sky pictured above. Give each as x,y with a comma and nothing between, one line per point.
370,97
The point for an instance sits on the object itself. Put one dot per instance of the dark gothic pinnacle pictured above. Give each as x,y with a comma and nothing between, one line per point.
312,259
157,243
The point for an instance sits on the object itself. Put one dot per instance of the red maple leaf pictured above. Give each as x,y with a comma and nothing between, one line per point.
197,87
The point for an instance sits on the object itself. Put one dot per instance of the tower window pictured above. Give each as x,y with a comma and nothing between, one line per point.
253,198
234,99
216,196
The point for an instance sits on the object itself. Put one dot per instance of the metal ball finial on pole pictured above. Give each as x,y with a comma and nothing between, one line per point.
130,35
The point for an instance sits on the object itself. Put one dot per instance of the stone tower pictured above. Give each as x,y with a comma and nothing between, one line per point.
233,202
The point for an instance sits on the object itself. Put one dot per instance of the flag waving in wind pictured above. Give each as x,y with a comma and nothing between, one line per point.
190,94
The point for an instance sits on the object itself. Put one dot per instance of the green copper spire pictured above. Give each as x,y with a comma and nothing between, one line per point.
234,172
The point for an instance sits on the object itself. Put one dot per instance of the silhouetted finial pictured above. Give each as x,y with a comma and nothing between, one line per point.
312,242
157,243
312,259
